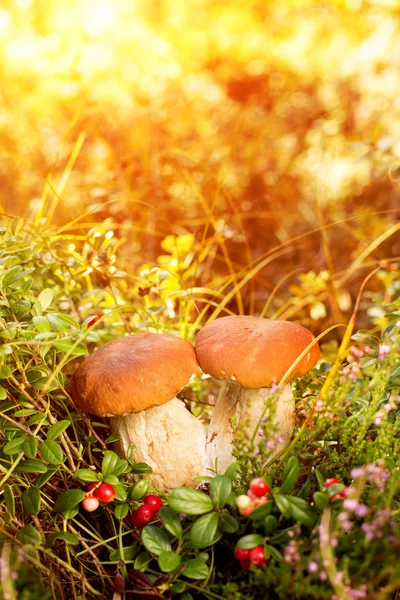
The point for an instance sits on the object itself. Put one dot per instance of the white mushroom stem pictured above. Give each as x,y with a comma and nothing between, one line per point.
238,408
169,439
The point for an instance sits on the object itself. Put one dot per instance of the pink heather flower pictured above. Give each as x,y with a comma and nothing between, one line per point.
361,511
358,473
383,351
398,324
323,576
312,566
350,504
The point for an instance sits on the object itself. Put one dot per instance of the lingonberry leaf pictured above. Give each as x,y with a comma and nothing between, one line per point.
29,535
195,569
290,475
66,536
51,452
155,540
14,446
31,465
252,540
110,461
68,500
205,530
262,511
86,475
171,521
228,524
190,502
168,561
142,561
220,489
121,510
270,524
31,500
56,429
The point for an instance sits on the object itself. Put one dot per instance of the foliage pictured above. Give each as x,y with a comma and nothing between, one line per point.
51,315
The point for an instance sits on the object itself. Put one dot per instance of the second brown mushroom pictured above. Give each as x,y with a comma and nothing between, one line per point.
250,354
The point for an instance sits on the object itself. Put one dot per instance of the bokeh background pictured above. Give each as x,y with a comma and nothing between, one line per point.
257,133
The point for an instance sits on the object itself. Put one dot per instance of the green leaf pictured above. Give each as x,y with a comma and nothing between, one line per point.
127,555
120,493
56,429
262,511
68,500
42,479
45,298
320,479
321,500
111,479
142,468
14,446
155,540
121,467
296,508
9,499
139,489
41,324
121,510
31,465
220,489
67,345
66,536
3,393
5,372
228,524
29,535
195,569
232,471
189,501
272,552
11,275
186,596
70,513
252,540
86,476
169,561
334,489
110,461
51,452
283,505
142,561
270,524
290,475
205,531
31,500
171,521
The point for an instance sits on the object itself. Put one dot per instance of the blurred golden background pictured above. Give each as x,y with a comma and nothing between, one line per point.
255,126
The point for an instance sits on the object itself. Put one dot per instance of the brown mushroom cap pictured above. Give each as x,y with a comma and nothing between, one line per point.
133,373
253,351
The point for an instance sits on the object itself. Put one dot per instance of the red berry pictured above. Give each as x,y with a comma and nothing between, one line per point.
257,556
142,516
105,492
153,501
94,319
329,482
241,554
339,496
259,501
245,564
91,487
259,486
245,512
90,503
243,502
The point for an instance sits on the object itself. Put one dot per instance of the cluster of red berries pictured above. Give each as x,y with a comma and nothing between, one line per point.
340,495
255,557
147,511
256,495
96,493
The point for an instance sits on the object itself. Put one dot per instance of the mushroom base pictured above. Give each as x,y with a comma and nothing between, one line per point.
169,439
244,407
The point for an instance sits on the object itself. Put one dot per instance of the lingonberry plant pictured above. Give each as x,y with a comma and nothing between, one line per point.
320,520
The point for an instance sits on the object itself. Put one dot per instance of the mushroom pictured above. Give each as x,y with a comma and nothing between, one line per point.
250,354
134,380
